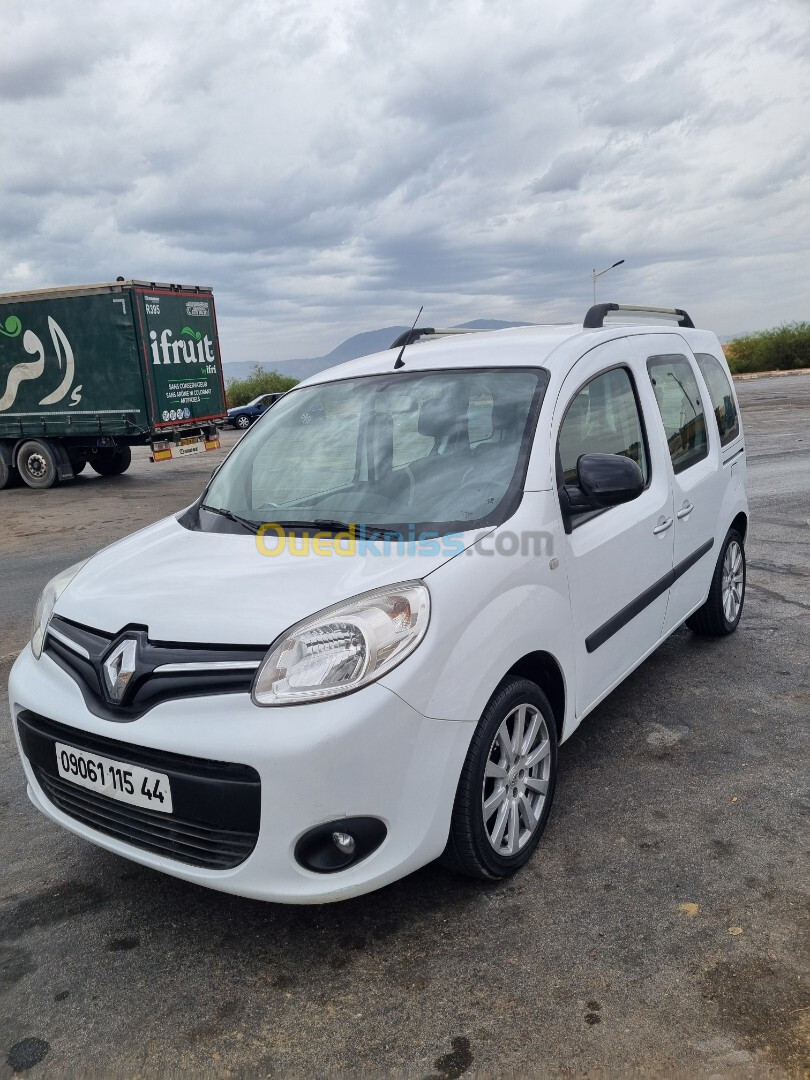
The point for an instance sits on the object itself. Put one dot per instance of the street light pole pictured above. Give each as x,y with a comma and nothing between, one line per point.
595,275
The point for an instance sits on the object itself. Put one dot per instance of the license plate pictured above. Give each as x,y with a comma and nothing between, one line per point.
115,779
193,446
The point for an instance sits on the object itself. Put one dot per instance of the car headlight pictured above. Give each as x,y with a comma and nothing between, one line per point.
47,602
344,647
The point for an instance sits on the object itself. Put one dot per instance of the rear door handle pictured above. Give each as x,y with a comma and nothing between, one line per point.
662,526
685,511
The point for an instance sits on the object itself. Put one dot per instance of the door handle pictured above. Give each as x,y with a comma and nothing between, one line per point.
662,526
685,511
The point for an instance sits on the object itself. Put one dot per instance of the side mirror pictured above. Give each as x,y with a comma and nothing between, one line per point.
609,479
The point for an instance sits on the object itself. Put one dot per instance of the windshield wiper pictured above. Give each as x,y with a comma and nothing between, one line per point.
383,533
378,531
359,526
251,526
335,526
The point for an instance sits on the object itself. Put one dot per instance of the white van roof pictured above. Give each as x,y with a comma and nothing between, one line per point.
529,346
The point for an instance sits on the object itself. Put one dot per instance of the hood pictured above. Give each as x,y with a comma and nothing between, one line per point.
218,588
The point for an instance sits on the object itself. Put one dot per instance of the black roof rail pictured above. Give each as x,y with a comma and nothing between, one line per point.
595,316
410,336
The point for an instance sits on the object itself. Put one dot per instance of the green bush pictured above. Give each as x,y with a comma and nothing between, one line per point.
241,391
785,348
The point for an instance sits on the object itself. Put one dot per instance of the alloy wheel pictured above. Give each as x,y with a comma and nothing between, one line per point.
733,581
516,779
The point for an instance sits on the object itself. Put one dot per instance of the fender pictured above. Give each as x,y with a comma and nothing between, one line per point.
476,636
735,502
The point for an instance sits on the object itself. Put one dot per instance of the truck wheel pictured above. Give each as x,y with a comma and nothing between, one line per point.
112,462
36,462
78,465
8,474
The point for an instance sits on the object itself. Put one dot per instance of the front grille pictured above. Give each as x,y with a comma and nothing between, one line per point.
164,671
215,823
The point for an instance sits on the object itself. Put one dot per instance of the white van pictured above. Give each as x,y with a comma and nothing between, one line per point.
359,649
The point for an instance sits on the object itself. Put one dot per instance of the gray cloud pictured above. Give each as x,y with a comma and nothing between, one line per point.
329,166
565,173
38,61
36,76
788,164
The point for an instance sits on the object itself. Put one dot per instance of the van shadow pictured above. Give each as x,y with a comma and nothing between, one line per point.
323,930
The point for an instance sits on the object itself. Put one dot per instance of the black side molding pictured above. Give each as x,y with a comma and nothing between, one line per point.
643,600
690,560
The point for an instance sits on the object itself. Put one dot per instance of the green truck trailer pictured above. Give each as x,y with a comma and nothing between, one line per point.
89,371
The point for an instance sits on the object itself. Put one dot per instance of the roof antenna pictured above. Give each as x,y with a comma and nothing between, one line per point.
399,362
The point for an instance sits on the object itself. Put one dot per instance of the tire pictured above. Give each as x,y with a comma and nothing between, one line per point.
8,474
243,422
112,462
487,841
36,462
78,465
721,613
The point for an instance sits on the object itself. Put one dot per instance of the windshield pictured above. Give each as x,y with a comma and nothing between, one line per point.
407,452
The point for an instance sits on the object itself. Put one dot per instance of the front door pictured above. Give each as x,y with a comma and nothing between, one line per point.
619,560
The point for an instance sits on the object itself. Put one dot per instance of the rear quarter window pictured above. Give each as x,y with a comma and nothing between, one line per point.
679,402
725,411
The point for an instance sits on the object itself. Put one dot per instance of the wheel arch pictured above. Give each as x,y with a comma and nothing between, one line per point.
542,668
740,523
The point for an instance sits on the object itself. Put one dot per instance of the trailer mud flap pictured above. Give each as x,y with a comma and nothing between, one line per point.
64,467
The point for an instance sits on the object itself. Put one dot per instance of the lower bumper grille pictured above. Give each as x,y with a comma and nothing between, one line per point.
187,841
217,804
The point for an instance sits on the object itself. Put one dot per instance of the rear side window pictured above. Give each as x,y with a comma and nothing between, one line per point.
725,410
603,418
678,397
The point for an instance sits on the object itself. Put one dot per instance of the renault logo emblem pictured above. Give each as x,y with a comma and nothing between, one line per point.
119,667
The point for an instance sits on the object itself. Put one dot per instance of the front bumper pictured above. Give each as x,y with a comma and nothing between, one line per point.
367,754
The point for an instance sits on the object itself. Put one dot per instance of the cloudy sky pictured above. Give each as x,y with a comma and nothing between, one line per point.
329,166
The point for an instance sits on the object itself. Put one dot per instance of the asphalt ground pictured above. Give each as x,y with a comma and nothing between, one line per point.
660,929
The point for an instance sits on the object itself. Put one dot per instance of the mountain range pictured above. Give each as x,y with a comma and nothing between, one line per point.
364,344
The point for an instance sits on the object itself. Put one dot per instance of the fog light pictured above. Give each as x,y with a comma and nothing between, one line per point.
344,842
337,845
